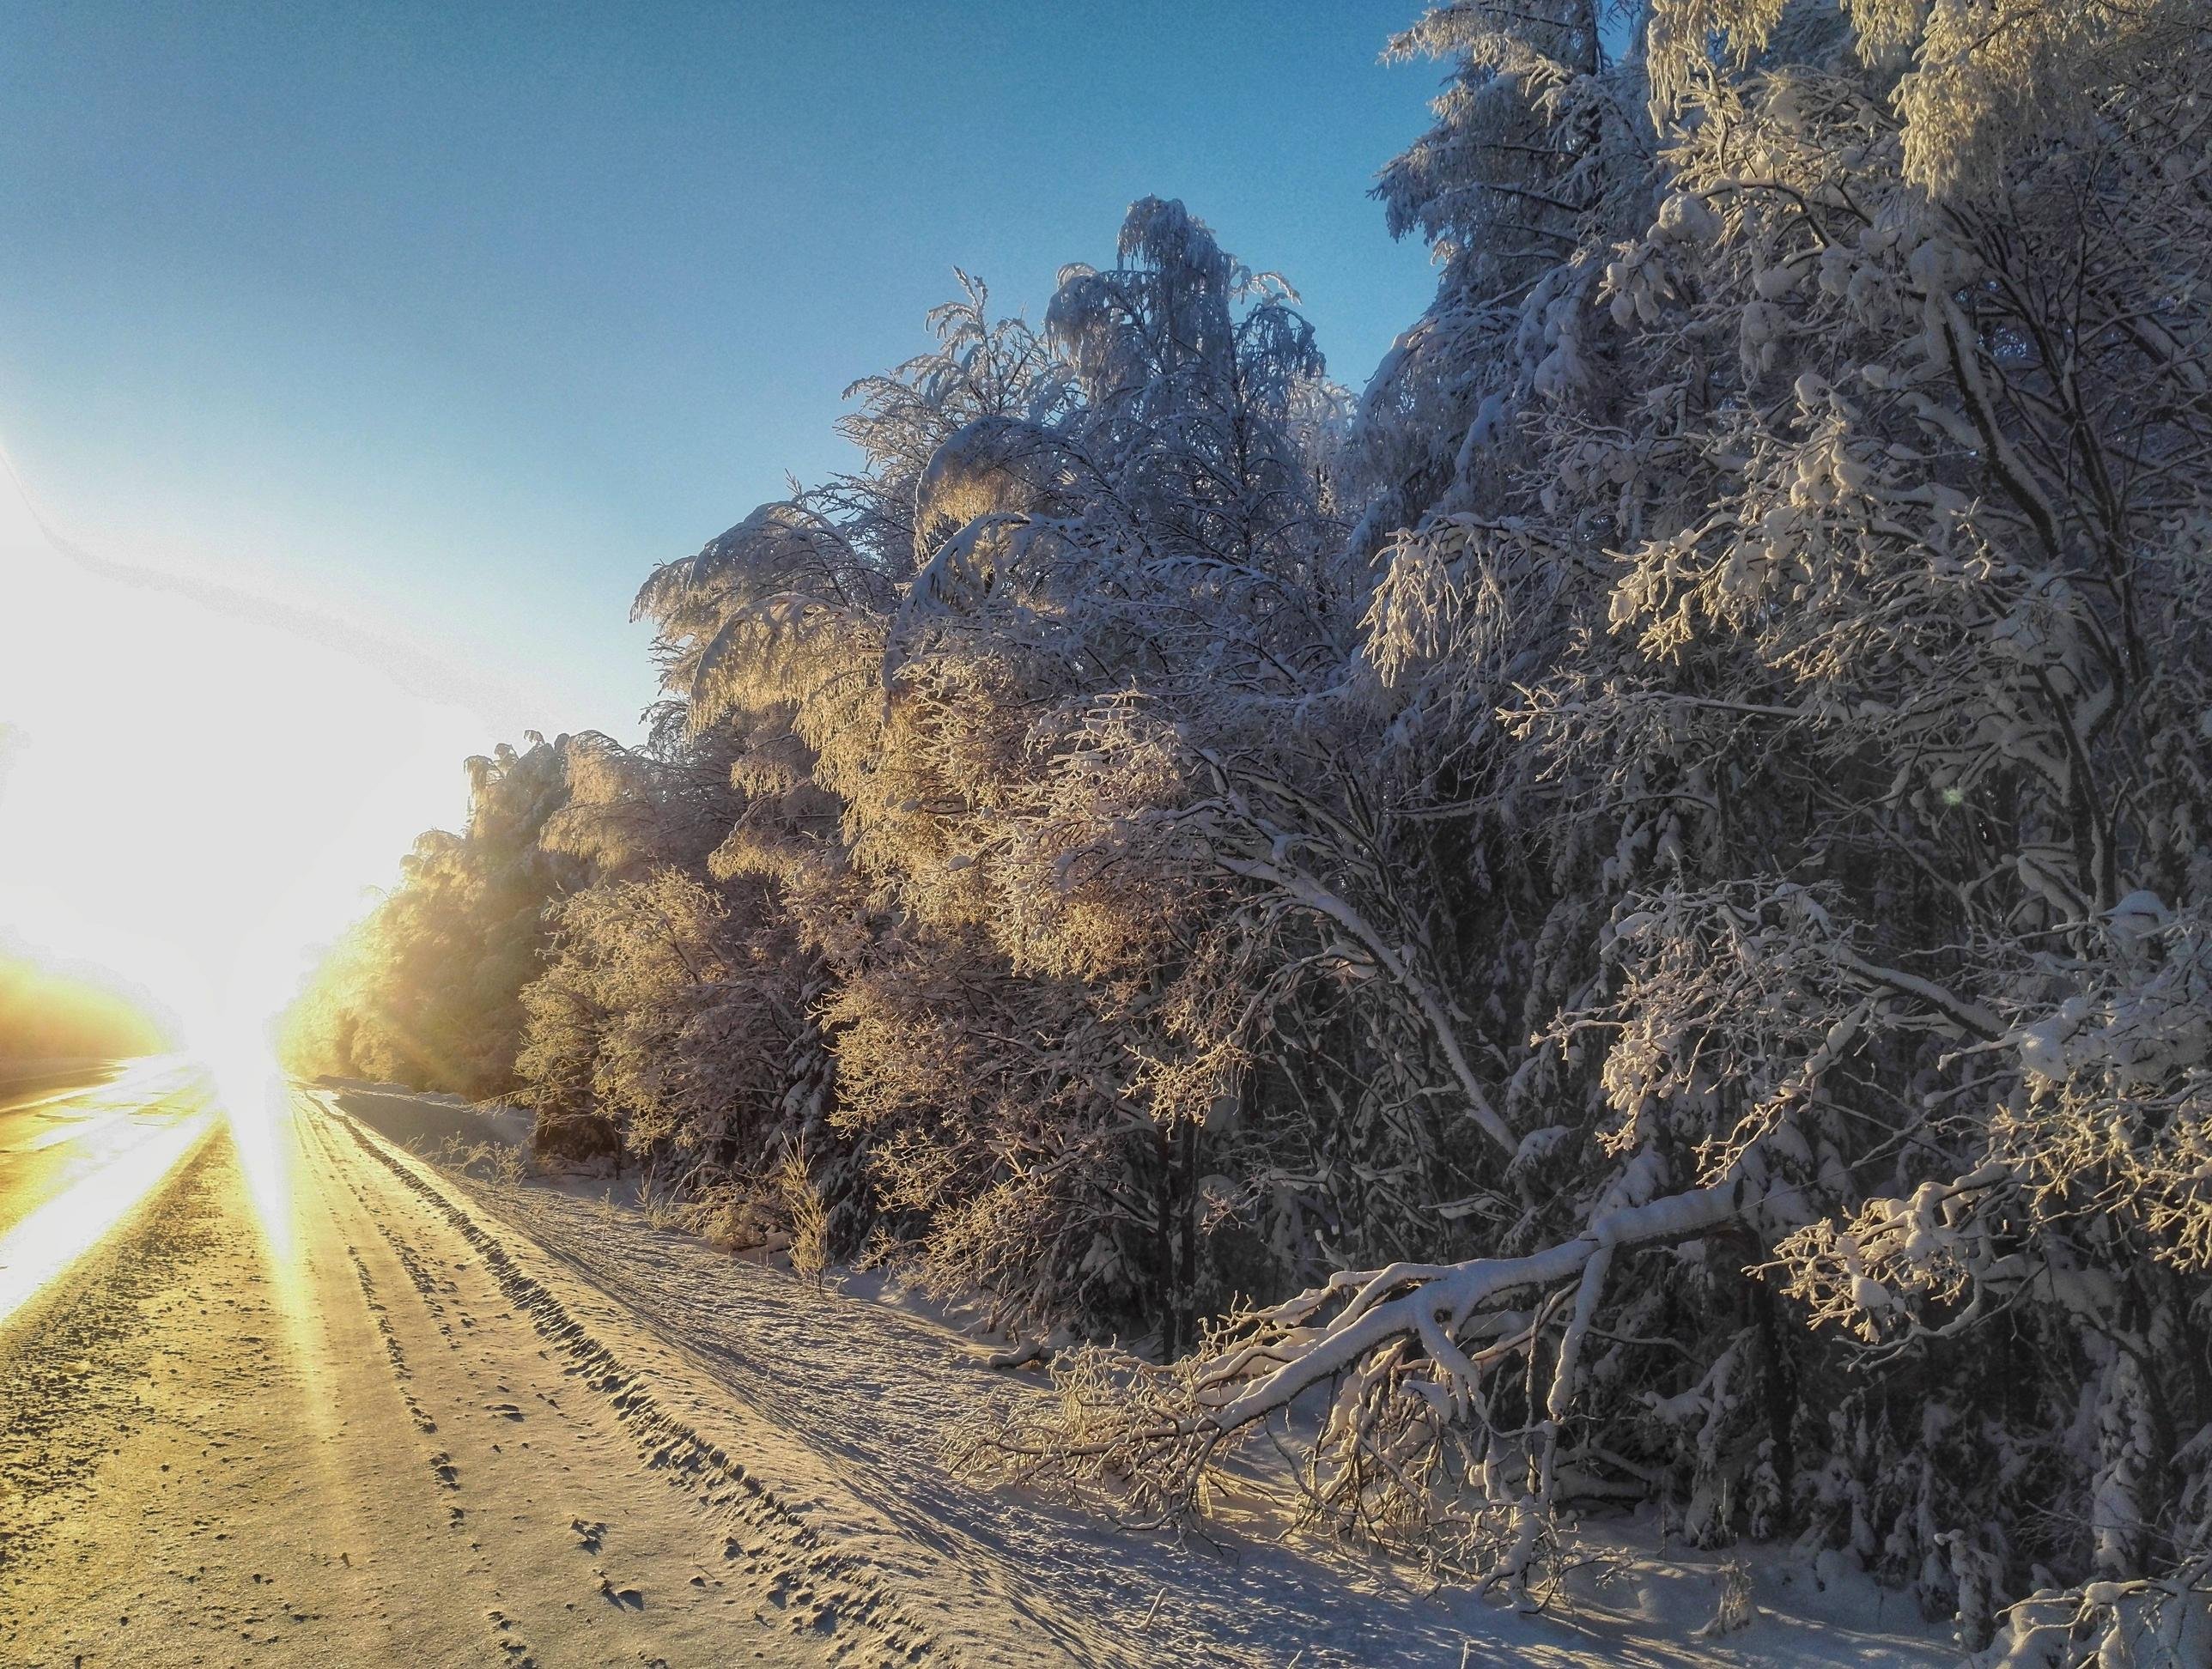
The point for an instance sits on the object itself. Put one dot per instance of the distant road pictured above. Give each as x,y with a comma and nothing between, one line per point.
75,1160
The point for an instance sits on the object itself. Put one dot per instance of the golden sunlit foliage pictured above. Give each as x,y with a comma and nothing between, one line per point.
47,1013
427,991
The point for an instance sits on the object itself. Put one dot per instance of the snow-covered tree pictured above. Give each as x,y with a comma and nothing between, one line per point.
1623,919
427,990
1818,580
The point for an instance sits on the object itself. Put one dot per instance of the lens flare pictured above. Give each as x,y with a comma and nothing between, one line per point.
255,1100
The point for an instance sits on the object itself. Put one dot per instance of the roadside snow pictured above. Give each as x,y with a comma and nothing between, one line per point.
841,1404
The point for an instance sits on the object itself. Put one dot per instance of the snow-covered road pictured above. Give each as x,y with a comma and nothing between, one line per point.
80,1149
356,1436
317,1400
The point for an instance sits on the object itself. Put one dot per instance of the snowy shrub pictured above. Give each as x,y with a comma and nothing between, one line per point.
802,1208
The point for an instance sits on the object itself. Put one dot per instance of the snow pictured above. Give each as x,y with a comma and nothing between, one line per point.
845,1402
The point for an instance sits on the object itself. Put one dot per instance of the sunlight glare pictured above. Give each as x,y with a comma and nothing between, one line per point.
198,805
255,1099
41,1246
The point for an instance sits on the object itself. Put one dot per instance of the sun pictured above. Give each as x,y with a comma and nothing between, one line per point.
191,795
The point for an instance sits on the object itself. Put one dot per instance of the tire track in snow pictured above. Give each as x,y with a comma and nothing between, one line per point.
977,1561
818,1586
381,1317
1095,1594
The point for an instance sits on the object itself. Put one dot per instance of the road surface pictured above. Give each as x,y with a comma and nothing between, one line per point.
284,1412
276,1391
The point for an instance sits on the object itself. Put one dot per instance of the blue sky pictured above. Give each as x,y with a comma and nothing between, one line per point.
388,346
453,319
